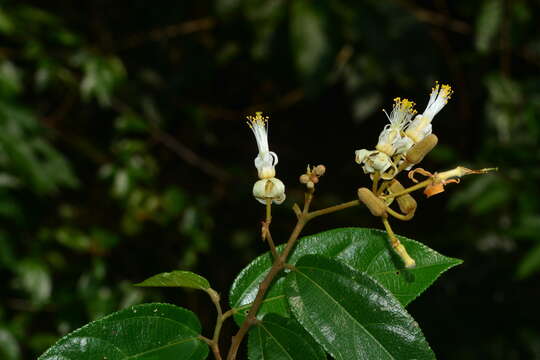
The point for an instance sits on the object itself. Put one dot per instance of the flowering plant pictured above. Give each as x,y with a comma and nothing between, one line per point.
342,292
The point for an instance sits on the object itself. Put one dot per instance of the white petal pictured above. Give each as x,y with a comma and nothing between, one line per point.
272,189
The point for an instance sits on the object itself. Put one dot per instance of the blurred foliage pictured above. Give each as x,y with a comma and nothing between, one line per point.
123,151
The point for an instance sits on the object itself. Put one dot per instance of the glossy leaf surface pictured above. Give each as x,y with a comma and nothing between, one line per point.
364,250
147,331
350,314
276,338
176,278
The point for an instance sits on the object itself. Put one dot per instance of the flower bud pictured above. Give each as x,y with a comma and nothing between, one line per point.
375,205
406,202
304,178
269,189
417,153
319,170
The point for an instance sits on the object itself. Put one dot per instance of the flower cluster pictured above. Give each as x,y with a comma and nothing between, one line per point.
268,188
401,134
403,143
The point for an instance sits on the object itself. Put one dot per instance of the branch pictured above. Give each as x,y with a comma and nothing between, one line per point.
189,155
170,31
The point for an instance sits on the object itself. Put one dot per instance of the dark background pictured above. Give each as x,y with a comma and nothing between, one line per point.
124,151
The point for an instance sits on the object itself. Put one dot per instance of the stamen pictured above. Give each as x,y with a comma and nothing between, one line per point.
257,120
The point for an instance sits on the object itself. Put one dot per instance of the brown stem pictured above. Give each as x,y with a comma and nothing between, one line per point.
277,266
251,318
271,244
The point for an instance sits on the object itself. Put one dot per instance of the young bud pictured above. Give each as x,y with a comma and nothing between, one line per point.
406,202
417,153
304,178
319,170
375,205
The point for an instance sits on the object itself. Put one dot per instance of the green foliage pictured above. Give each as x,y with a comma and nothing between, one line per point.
34,278
488,23
176,279
140,332
100,117
350,314
275,337
101,76
27,156
365,250
530,263
9,348
309,37
348,306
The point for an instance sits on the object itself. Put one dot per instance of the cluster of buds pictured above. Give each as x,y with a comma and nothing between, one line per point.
404,135
312,175
268,188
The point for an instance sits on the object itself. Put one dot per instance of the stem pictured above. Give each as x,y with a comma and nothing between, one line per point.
376,178
268,211
398,247
409,189
332,209
279,264
399,216
266,229
271,244
220,319
251,319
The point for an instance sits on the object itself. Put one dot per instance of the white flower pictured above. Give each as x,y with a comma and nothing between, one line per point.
420,127
266,160
376,162
391,139
269,189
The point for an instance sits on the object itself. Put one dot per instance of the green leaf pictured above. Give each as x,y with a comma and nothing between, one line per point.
276,337
177,278
9,348
6,24
363,249
350,314
102,76
147,331
309,41
35,279
10,79
488,23
530,263
265,17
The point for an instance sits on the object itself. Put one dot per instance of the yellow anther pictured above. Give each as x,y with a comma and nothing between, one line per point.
446,91
404,105
258,119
